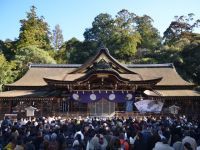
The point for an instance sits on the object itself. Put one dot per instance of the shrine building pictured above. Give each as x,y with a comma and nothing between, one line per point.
99,87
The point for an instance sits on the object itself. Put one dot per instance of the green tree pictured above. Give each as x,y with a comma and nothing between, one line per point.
102,29
182,27
84,51
101,32
117,34
34,31
125,38
6,73
31,54
191,63
75,51
168,54
125,20
63,54
57,37
7,47
124,45
150,37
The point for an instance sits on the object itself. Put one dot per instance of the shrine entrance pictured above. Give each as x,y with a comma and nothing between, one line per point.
102,107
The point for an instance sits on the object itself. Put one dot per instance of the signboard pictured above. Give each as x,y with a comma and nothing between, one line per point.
149,105
30,111
174,109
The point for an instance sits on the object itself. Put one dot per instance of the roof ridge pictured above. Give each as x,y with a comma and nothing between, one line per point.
171,65
79,65
54,65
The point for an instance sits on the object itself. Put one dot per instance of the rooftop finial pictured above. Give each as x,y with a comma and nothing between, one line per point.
103,48
102,45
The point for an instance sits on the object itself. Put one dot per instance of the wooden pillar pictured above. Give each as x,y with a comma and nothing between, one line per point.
193,107
197,105
41,107
57,105
10,106
70,106
1,105
57,101
51,110
188,106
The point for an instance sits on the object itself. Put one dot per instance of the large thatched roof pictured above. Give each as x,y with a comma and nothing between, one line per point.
164,76
36,74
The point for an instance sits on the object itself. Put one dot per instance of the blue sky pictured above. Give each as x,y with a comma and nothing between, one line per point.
74,16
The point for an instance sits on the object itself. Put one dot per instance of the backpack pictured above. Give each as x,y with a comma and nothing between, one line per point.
123,146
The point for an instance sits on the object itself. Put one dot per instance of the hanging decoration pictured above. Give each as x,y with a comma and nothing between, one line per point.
75,96
92,96
111,96
129,96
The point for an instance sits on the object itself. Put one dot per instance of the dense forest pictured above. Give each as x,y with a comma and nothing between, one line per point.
130,39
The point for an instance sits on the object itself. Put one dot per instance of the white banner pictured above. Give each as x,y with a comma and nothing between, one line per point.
149,105
30,111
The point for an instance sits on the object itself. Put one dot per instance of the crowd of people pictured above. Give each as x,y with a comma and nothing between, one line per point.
145,133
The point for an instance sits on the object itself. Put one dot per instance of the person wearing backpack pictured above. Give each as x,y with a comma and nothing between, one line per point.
123,142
